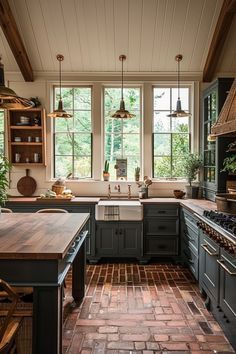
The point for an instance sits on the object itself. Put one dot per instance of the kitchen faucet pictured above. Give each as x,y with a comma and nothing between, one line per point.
117,188
129,191
109,192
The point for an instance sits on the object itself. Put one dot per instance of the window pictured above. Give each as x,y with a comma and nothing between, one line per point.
171,136
73,136
2,140
122,136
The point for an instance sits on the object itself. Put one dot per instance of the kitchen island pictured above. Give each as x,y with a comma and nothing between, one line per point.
37,250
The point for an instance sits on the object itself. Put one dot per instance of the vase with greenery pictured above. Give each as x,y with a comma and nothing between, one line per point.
4,184
106,174
192,165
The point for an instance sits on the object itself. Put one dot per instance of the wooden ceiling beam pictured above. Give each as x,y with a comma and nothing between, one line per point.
14,39
225,19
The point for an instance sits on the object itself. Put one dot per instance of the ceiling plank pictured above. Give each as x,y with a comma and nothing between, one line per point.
225,19
15,42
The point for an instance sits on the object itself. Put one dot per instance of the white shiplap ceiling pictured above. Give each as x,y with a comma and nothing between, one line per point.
91,34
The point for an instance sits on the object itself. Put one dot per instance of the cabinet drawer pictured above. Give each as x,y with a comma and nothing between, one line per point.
191,259
161,210
190,237
161,226
155,245
189,219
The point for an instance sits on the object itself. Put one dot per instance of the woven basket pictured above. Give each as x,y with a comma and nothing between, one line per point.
58,189
24,335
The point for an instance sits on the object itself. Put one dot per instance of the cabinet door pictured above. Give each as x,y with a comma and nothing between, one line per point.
228,285
130,237
209,268
107,234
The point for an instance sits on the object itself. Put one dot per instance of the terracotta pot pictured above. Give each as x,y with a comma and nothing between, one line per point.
106,176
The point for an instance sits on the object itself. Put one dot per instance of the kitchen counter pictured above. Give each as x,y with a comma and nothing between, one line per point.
194,205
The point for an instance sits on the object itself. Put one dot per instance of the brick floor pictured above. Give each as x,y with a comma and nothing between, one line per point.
148,309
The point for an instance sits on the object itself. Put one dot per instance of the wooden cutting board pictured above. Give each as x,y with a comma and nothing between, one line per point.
26,185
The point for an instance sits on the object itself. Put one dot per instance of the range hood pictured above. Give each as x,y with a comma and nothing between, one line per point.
226,123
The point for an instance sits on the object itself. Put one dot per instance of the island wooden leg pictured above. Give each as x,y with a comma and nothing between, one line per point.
47,320
79,274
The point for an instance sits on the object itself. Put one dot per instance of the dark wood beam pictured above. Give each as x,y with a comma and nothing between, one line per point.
225,19
15,42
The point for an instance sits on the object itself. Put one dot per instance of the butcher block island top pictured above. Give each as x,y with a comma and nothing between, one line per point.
38,235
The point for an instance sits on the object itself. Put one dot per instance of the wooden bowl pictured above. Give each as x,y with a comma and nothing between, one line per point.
178,194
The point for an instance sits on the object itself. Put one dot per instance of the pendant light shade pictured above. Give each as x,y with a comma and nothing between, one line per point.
8,98
179,112
122,112
60,112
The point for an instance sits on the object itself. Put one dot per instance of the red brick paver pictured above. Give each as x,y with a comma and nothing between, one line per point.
136,309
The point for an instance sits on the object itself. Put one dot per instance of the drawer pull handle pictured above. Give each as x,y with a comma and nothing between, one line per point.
161,227
162,212
221,263
205,247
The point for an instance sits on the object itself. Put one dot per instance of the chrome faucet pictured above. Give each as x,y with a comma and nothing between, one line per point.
109,192
129,191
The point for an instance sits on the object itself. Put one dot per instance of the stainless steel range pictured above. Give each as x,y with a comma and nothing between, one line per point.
221,228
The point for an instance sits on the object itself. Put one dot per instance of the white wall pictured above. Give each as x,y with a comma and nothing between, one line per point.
41,88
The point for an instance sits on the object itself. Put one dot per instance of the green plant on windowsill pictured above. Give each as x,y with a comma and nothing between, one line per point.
106,174
4,184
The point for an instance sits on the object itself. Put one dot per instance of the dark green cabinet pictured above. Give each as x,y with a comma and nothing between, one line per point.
209,279
161,229
214,151
119,239
189,240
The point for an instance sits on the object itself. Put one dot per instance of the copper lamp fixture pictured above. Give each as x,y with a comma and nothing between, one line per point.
8,98
179,112
60,112
122,112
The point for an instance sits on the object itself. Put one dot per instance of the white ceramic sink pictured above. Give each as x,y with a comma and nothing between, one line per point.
119,210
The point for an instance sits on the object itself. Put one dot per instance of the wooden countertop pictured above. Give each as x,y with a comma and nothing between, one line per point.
38,235
75,200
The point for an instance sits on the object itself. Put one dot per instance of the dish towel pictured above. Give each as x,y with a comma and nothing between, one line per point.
112,212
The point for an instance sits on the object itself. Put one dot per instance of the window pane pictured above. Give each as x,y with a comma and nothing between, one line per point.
82,98
73,136
162,166
82,121
122,136
171,137
63,124
162,144
63,144
180,144
63,165
161,122
82,145
161,98
83,167
180,124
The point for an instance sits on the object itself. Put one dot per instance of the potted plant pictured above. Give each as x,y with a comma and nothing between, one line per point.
229,166
4,169
137,173
106,174
192,164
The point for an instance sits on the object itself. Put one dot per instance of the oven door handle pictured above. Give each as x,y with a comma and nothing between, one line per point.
221,263
205,247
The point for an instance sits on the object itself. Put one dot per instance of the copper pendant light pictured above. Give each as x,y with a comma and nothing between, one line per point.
122,112
60,112
8,98
179,112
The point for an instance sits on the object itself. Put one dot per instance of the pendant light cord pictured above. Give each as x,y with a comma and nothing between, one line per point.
60,76
178,79
122,79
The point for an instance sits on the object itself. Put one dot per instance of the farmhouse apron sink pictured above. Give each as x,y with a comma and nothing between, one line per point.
119,210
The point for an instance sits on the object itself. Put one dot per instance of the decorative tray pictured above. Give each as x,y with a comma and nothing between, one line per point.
57,198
